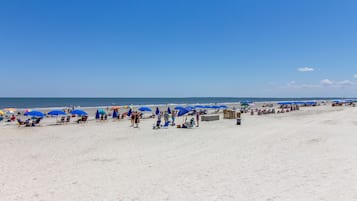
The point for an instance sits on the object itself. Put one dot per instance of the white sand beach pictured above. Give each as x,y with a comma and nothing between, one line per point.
303,155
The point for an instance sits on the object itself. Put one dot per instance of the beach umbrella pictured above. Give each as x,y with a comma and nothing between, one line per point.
115,114
207,106
56,112
129,112
27,110
144,109
182,112
169,110
179,108
223,106
189,108
34,113
285,103
97,115
157,112
79,112
199,106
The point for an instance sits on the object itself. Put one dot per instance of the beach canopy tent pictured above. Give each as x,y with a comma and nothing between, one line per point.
34,113
56,113
145,109
79,112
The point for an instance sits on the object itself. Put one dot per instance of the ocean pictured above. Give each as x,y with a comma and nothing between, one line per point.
24,103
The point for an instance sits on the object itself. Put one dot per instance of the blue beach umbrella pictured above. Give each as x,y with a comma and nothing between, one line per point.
144,109
207,106
180,108
189,108
182,112
157,112
56,113
199,106
97,115
34,113
169,110
223,106
79,112
285,103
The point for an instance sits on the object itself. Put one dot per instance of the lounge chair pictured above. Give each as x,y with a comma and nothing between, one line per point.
83,119
68,119
20,122
61,121
37,121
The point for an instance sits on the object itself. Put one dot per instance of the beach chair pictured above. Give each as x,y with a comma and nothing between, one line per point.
68,119
61,121
37,122
83,119
20,122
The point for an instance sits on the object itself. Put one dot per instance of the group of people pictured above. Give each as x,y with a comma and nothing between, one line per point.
167,116
135,119
29,122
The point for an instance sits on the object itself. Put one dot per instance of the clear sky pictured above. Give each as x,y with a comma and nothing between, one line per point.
182,48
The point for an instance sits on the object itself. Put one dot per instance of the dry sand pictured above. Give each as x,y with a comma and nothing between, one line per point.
304,155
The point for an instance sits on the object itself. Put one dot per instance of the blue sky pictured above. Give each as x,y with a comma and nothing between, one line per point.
183,48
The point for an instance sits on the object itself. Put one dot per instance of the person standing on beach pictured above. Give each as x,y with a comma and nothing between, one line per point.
173,116
166,117
132,118
198,118
137,119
